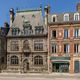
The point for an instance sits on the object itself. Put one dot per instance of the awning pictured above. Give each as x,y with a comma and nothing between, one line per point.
60,58
60,62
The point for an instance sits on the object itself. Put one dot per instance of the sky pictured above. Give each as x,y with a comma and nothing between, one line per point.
57,6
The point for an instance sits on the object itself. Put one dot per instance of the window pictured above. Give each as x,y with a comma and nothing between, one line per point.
66,48
38,45
66,17
2,60
76,48
14,45
54,18
38,60
27,28
15,31
54,48
26,45
54,34
76,16
26,54
14,60
76,33
39,30
66,33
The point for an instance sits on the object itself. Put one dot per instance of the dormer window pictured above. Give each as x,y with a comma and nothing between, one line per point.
66,17
76,16
27,28
39,30
15,31
54,18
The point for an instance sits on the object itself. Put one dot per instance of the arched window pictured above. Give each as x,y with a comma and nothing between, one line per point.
66,17
54,18
26,45
38,60
76,16
14,60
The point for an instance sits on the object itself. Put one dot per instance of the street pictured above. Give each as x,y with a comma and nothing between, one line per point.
59,76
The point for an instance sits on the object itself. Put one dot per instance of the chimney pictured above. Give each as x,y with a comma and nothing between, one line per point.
47,12
78,7
6,25
11,16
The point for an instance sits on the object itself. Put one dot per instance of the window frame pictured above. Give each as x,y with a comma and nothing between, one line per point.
54,16
38,61
66,16
76,19
14,60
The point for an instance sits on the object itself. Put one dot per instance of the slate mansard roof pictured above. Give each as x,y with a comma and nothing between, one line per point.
34,17
60,17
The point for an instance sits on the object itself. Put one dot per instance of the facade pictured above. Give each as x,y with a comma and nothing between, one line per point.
64,42
3,46
27,42
37,44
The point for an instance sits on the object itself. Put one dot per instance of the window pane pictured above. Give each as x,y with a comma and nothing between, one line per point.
66,33
54,48
54,34
66,48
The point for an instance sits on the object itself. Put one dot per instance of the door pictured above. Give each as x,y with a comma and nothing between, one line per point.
76,67
25,66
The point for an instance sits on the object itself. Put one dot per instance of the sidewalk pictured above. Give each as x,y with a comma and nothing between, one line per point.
41,74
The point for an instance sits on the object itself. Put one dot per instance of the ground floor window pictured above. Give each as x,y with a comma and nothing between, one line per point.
38,60
14,60
60,67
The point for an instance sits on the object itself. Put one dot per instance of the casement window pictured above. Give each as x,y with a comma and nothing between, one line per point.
54,34
66,17
14,60
66,33
54,48
76,32
14,45
66,48
38,60
38,45
76,48
76,16
26,45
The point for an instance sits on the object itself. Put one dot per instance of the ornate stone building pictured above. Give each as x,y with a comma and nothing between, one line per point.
27,42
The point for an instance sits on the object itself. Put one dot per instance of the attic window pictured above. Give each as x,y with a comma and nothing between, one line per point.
15,31
54,18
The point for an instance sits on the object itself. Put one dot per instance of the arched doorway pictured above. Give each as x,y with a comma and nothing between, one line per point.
25,66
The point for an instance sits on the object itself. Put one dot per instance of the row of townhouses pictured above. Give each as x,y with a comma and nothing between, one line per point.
34,43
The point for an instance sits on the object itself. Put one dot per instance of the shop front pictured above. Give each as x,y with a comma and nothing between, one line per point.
60,64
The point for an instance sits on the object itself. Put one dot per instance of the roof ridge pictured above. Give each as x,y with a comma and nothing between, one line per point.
29,10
